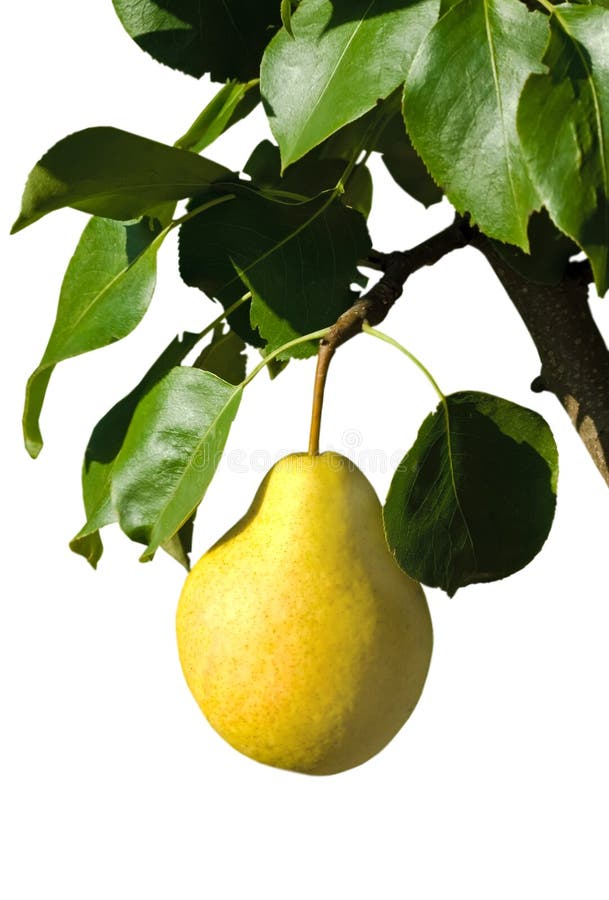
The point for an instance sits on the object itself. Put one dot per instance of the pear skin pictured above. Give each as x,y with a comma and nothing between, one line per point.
303,642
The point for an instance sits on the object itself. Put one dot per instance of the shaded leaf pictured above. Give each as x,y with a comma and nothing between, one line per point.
404,164
550,251
342,58
474,498
460,102
223,38
114,174
286,15
180,545
224,356
105,444
563,121
106,290
382,130
170,453
233,102
275,367
297,259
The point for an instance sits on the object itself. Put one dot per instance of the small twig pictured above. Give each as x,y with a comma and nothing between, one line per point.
376,303
397,267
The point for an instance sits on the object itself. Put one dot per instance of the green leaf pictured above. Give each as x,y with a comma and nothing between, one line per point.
106,290
344,56
404,164
550,251
180,545
297,259
170,453
104,446
474,498
382,130
224,38
233,102
224,356
114,174
563,120
460,102
286,15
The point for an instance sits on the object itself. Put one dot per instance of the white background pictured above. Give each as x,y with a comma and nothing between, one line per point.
112,783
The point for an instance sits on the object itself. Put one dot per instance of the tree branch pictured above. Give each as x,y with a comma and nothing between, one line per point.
574,356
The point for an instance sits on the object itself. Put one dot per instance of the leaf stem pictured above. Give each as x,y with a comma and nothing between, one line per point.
199,209
389,340
225,314
374,130
313,336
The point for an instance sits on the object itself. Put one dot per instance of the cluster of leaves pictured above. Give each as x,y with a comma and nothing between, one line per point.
503,110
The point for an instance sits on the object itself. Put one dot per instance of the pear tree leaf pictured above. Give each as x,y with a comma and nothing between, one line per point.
224,38
404,164
224,356
382,130
114,174
460,103
473,500
285,10
563,121
106,290
358,190
104,446
169,455
342,58
180,545
233,102
298,260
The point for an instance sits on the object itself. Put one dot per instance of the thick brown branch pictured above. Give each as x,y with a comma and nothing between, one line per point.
573,354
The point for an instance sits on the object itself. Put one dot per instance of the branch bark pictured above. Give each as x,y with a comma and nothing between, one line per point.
574,357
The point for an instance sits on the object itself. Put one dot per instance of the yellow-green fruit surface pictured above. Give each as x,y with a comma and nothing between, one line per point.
303,642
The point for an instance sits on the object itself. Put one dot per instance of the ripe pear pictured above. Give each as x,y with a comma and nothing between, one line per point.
301,639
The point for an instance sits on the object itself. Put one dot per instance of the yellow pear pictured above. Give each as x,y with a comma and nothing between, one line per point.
301,639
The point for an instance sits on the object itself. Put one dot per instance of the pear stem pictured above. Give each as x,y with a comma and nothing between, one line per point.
324,357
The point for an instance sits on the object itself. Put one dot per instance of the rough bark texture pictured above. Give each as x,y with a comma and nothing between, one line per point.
573,354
